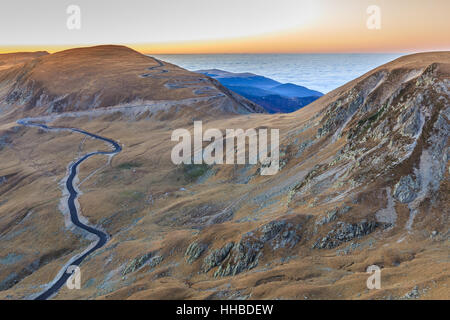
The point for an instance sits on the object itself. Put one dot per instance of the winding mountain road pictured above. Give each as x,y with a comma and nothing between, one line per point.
63,275
160,64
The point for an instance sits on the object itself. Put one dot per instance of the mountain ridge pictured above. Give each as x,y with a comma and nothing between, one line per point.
103,76
272,95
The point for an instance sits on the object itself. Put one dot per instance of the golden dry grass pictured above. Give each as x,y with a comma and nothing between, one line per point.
146,204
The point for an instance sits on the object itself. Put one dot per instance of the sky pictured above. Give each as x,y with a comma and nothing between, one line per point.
231,26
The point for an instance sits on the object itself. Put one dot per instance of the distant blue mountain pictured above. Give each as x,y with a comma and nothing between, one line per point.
252,91
240,79
293,90
274,96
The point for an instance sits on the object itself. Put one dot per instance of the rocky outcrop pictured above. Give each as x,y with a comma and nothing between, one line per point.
280,234
413,294
194,251
246,254
216,257
406,189
149,259
388,119
413,121
332,215
345,232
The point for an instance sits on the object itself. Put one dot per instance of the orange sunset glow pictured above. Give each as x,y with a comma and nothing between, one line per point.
296,26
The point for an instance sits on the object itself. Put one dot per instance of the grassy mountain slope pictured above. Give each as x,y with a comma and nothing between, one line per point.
364,180
97,77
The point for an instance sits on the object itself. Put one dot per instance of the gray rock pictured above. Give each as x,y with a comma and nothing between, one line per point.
140,261
406,189
155,261
345,232
302,147
194,251
270,230
279,234
216,257
413,124
329,217
246,254
344,209
332,215
413,294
